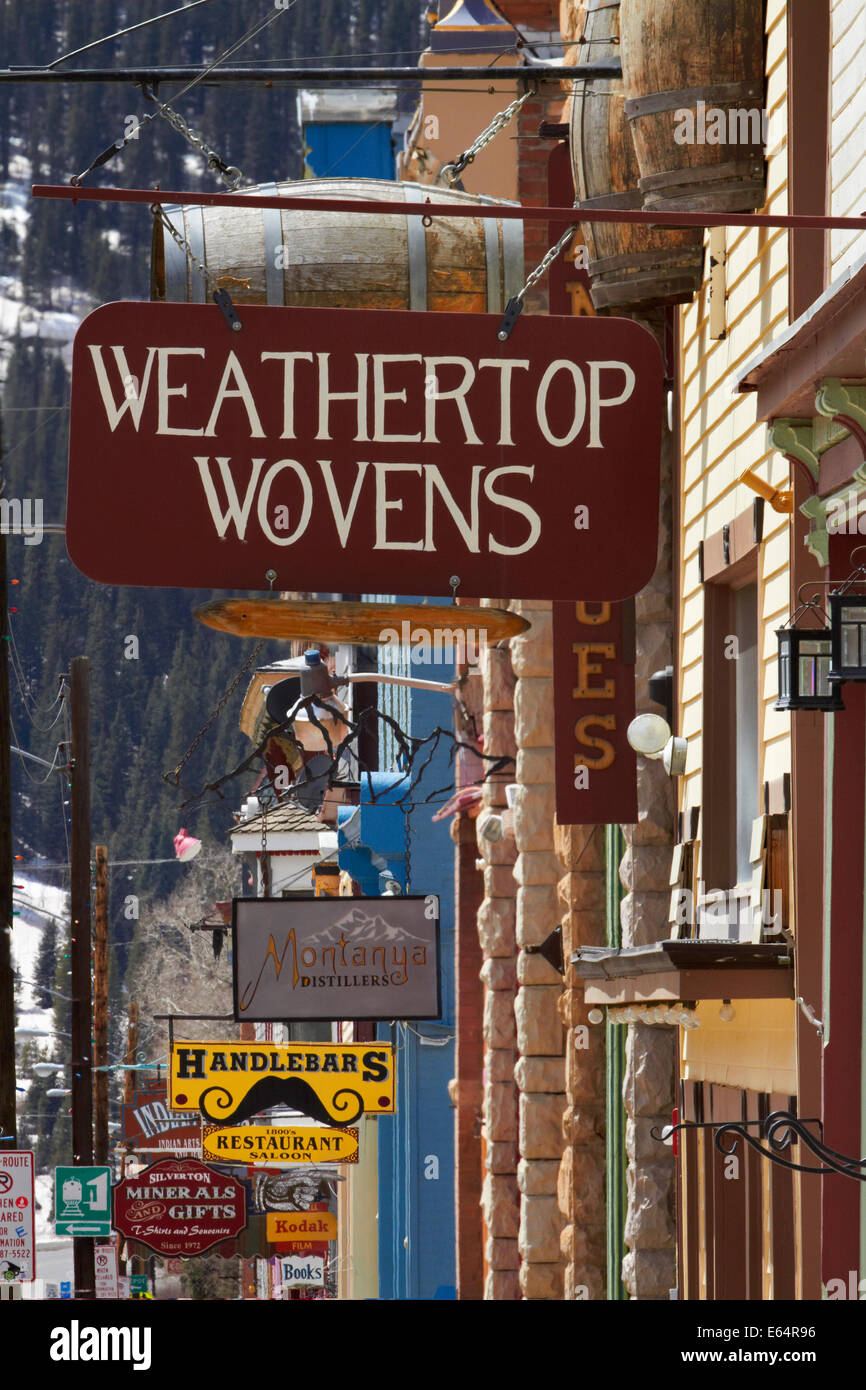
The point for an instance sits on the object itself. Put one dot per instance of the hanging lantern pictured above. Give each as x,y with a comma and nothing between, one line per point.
848,636
804,667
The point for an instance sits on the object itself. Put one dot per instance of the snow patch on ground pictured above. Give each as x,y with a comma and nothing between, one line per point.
26,939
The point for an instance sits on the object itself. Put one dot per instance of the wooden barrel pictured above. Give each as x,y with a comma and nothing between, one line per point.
631,266
311,258
694,81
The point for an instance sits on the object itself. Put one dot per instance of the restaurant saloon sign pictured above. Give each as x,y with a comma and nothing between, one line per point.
331,445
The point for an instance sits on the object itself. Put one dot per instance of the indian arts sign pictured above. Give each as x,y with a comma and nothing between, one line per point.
327,958
329,444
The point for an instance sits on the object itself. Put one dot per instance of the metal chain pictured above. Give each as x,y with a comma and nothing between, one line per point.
549,257
229,173
450,173
514,307
192,258
174,777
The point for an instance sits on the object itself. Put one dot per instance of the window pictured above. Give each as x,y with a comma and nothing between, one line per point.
731,790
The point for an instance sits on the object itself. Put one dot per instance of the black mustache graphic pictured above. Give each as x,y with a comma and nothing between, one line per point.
292,1091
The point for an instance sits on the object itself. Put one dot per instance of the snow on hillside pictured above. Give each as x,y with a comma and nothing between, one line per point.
56,325
26,938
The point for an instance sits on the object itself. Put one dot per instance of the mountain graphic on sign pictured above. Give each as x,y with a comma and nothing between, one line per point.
358,926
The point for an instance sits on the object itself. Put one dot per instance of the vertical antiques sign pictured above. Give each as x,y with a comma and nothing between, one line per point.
324,958
334,444
593,705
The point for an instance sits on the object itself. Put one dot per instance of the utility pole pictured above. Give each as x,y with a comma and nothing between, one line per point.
7,981
100,1007
82,1049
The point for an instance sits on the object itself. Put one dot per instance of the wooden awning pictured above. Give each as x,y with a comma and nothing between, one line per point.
685,970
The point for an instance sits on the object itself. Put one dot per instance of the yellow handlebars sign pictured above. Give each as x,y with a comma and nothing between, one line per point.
334,1083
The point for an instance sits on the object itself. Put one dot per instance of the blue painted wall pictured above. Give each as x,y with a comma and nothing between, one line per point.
347,149
416,1212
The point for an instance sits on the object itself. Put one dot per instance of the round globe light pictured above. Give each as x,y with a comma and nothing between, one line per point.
648,734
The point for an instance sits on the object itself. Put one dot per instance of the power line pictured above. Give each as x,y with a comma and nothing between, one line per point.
106,38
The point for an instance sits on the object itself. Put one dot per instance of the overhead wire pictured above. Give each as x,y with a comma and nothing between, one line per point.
132,28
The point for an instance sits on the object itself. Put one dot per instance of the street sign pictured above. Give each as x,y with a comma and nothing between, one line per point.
17,1217
301,1225
139,1282
331,1082
180,1207
324,958
269,1144
82,1201
105,1269
303,1271
331,445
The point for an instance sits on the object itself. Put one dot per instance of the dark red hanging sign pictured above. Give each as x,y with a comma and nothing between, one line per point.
180,1207
593,705
337,447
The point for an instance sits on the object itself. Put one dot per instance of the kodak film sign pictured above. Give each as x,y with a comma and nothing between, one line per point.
269,1144
334,1083
301,1225
331,445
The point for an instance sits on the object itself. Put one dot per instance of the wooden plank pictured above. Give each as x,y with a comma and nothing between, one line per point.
290,619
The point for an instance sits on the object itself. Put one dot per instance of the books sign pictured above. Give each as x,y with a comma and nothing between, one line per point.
330,445
327,958
303,1272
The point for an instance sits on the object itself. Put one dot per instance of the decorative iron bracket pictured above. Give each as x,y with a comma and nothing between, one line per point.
780,1130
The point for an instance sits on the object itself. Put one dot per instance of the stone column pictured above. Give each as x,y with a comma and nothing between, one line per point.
582,1170
540,1067
496,932
649,1269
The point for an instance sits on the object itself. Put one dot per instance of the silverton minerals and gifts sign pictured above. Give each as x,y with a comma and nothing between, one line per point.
324,958
329,445
179,1207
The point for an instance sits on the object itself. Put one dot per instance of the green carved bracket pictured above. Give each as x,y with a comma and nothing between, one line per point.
794,437
835,400
818,540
